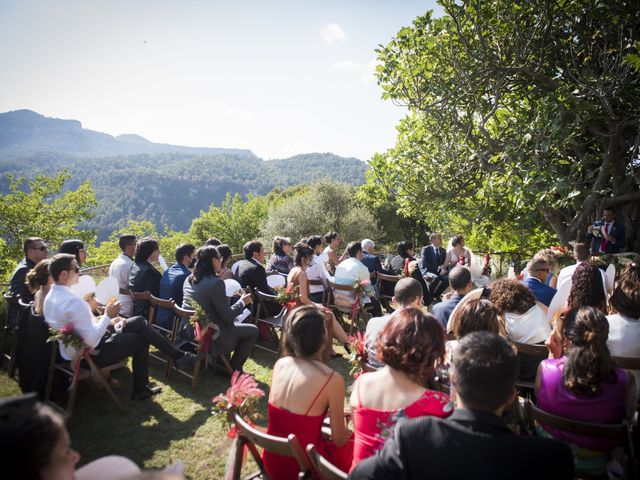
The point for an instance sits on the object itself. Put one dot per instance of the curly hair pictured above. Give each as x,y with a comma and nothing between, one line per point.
475,315
38,276
304,332
412,342
626,297
511,296
587,289
589,361
548,256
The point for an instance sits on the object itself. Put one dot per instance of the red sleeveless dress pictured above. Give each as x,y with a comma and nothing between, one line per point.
307,429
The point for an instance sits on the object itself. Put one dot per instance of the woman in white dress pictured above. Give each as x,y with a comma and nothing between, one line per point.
457,254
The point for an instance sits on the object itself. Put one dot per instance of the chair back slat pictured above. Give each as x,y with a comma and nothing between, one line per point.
323,467
314,281
140,295
183,312
535,350
628,363
161,302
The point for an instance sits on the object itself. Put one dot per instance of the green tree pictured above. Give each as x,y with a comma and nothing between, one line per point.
108,250
42,211
235,222
520,113
323,207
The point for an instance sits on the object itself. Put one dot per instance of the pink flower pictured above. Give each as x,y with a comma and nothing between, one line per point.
67,329
242,386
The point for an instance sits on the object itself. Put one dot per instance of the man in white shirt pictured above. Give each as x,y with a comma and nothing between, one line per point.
317,270
353,269
130,337
120,269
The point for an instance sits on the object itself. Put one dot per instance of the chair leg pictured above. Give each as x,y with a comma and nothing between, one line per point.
196,376
71,403
100,377
225,363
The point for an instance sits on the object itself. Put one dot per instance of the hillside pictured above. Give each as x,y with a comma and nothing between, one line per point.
171,188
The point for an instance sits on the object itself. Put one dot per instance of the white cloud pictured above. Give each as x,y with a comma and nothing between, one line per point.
332,33
365,70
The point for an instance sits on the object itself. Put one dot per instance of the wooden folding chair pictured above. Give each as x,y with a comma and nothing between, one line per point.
184,315
619,432
536,353
322,468
628,363
252,438
318,283
386,285
340,310
157,303
95,372
145,296
9,333
272,322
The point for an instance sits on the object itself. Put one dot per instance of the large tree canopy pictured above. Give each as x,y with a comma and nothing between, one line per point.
519,112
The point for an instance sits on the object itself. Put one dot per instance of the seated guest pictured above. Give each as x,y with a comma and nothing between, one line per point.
580,255
250,272
317,270
405,253
298,278
458,254
524,320
580,381
351,270
473,442
413,271
551,258
204,287
34,445
477,315
587,288
62,307
302,390
538,271
76,248
280,261
370,260
39,282
225,256
213,241
411,345
431,260
624,321
120,269
407,293
34,250
460,281
172,282
144,277
329,255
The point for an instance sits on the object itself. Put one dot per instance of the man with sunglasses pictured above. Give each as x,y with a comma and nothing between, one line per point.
538,270
34,250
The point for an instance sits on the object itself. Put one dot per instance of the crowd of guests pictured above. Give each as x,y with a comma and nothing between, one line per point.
429,342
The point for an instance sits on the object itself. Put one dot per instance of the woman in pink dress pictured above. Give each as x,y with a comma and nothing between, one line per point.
303,390
411,345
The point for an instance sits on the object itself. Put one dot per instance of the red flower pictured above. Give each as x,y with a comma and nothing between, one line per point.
242,386
66,329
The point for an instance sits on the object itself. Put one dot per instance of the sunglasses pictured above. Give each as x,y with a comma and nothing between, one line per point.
43,248
74,269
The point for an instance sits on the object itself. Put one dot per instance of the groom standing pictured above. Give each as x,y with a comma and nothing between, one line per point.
432,259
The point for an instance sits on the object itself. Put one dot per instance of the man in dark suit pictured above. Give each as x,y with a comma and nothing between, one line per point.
608,236
34,250
370,260
144,277
250,272
432,258
473,442
461,284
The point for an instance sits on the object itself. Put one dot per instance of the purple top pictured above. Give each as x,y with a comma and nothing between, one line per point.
608,407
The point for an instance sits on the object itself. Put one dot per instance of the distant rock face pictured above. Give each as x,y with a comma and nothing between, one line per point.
23,132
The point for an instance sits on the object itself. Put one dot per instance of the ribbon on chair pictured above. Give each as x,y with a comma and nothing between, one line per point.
355,306
204,336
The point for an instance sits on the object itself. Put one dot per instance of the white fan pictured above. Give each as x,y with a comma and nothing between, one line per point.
85,285
231,287
559,299
162,262
609,278
106,290
276,281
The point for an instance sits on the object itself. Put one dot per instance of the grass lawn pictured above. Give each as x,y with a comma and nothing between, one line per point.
175,425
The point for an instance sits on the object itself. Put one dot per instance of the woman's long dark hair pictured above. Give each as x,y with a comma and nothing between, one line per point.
587,289
204,264
625,299
589,361
304,332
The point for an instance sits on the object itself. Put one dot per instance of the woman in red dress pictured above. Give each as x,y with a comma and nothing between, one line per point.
303,390
411,345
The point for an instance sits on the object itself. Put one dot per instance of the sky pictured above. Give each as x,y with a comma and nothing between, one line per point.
277,77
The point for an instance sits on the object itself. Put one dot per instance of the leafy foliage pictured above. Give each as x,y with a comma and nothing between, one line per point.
42,211
519,113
